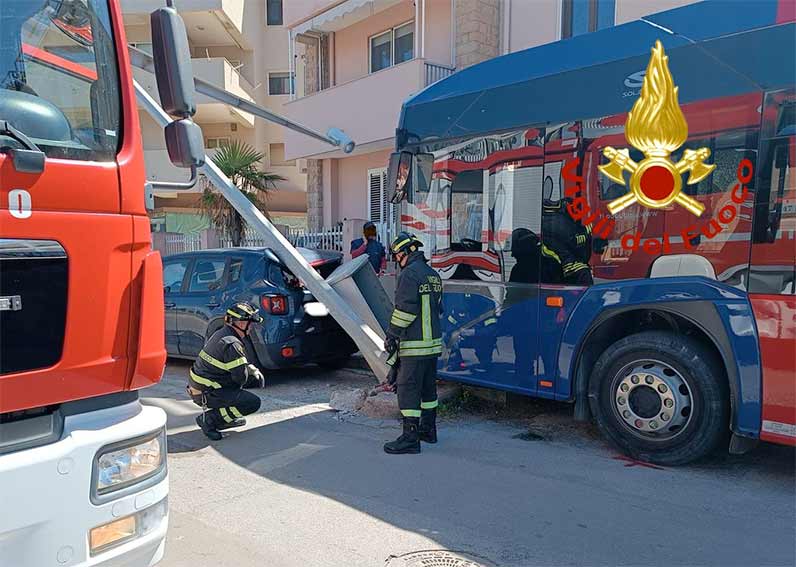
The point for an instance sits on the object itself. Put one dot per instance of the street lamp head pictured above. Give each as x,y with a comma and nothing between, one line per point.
341,139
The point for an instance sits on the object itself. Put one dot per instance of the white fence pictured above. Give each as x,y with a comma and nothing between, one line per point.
176,243
328,239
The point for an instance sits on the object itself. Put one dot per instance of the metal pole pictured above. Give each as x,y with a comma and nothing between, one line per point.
423,32
370,344
144,61
290,62
417,30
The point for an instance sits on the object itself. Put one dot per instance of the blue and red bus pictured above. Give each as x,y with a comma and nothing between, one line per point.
677,333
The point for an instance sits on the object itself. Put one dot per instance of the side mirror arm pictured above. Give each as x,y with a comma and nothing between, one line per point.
177,185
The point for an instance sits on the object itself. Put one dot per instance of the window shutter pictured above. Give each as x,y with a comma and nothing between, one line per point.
376,182
386,205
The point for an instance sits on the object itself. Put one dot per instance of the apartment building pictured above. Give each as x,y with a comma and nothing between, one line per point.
242,47
356,61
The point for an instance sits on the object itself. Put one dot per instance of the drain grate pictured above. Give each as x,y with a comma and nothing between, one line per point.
438,558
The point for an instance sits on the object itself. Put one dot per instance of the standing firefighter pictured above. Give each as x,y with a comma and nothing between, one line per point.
414,342
219,374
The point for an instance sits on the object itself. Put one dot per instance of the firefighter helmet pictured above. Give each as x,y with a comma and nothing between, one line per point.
244,312
405,242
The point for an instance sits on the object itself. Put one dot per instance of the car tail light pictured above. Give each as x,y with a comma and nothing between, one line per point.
287,352
274,304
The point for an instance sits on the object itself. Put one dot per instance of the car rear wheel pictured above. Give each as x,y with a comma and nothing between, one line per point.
660,397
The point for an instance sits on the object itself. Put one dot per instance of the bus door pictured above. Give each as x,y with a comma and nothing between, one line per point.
492,186
772,273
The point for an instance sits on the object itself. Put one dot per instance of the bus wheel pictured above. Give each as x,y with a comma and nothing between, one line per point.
660,397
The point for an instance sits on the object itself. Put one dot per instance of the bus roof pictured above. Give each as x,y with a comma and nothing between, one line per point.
716,48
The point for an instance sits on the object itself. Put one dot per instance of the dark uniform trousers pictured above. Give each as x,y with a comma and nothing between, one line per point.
227,404
217,378
417,385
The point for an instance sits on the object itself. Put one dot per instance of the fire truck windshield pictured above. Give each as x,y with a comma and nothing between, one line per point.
58,77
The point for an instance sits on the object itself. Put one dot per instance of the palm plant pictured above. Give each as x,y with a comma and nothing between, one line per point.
240,162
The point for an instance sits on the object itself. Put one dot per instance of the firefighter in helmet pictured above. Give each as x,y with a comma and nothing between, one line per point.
414,342
570,241
222,369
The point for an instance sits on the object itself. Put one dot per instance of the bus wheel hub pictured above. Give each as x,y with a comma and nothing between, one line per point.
653,399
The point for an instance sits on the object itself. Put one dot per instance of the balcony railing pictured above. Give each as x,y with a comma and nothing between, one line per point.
436,72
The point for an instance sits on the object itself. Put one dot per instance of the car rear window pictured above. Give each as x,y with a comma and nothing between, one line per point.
273,273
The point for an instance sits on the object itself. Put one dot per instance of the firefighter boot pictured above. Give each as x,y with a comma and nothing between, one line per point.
408,442
208,425
239,422
428,426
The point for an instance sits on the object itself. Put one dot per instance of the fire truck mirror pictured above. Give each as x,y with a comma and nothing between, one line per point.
172,58
185,144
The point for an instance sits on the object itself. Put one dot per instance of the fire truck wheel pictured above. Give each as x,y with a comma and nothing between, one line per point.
660,397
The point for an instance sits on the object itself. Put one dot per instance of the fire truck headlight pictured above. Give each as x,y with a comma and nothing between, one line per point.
117,467
118,532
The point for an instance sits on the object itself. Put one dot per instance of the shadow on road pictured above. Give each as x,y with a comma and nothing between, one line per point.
515,499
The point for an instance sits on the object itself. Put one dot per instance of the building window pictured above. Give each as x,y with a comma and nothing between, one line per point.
584,16
278,83
392,47
274,9
217,142
277,152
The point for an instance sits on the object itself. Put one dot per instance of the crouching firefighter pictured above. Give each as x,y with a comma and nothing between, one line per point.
414,342
219,374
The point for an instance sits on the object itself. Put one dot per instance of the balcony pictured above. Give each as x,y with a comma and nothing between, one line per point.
219,72
208,22
342,106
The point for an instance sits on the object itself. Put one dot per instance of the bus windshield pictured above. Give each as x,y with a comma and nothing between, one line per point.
59,81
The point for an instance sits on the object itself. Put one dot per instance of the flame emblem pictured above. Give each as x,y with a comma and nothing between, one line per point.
656,126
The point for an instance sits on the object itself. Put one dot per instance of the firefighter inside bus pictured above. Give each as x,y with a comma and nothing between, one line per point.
566,240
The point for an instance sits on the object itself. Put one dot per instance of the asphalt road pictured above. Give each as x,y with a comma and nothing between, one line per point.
303,486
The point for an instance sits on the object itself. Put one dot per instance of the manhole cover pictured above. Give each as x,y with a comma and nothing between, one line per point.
438,558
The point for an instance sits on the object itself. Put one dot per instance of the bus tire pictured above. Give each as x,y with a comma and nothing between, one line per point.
660,397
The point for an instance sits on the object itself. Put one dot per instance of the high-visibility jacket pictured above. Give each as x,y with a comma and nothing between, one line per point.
418,304
221,363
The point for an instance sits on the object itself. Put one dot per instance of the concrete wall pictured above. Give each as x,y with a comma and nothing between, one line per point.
629,10
438,32
352,184
528,24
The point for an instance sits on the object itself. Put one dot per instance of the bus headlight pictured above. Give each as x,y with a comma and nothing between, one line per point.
120,466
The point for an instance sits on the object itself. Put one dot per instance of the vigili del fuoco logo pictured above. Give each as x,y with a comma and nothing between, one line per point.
657,127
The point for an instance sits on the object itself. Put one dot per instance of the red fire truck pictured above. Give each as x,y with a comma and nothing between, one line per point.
82,462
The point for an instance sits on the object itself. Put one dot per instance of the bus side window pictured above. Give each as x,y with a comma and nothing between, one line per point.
773,262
